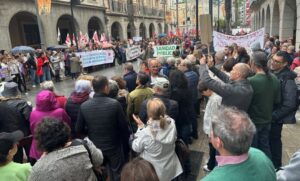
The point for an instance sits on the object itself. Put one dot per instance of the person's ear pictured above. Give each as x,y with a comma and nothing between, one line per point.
219,143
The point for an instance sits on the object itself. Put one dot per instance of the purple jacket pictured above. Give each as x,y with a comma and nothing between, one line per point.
46,106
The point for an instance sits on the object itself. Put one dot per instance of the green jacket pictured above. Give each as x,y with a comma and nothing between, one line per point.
136,98
257,167
266,93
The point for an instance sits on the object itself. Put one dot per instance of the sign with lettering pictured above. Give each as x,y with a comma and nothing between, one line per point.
164,50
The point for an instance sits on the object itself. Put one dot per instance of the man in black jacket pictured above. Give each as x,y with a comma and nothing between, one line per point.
284,112
104,122
161,89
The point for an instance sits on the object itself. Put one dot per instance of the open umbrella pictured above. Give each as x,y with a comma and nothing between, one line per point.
22,49
56,47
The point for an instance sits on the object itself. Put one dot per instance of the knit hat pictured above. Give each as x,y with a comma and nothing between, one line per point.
83,86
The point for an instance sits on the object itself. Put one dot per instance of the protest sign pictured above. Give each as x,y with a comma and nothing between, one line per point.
164,50
137,38
133,52
96,57
221,40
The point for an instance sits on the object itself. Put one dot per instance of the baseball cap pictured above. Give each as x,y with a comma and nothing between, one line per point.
162,83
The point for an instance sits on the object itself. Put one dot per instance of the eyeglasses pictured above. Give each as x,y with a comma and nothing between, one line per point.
276,61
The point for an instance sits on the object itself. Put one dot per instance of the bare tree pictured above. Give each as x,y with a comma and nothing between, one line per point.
228,4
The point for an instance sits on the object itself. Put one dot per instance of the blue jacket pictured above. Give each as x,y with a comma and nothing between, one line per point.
130,79
193,80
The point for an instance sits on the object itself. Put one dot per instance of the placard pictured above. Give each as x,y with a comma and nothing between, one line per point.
133,52
96,57
164,50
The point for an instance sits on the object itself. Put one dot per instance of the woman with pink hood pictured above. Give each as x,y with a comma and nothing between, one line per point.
46,106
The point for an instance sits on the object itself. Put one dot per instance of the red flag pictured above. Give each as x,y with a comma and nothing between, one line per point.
74,41
68,40
95,38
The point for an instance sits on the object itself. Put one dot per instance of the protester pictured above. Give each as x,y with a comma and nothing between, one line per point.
212,106
10,170
78,96
181,94
122,86
66,159
159,133
46,68
104,122
136,97
154,67
139,169
75,67
284,112
162,90
235,89
185,66
114,93
266,93
31,63
55,61
144,67
20,113
46,106
232,132
290,171
242,55
129,76
61,99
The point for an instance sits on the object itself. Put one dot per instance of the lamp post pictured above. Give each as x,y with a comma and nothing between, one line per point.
197,19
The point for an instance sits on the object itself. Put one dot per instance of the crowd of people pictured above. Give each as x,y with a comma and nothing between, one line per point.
129,127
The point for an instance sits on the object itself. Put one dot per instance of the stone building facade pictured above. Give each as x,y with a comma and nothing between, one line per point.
278,17
18,20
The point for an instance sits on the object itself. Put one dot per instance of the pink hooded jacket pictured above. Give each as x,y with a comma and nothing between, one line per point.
46,106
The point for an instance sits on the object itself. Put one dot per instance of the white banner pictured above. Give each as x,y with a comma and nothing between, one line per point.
137,38
164,50
133,52
96,57
221,40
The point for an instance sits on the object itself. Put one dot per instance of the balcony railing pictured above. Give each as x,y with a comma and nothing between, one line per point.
119,7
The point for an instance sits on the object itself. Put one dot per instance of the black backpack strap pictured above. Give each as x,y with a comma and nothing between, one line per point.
77,142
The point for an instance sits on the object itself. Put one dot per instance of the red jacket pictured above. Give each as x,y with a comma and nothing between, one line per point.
40,63
295,63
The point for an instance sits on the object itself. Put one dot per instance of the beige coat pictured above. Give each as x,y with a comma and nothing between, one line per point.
75,64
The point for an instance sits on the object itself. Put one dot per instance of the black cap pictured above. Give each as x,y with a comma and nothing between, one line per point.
15,136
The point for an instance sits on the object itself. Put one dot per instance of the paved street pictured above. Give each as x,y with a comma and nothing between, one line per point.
291,133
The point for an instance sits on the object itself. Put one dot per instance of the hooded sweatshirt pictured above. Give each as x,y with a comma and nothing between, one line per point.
157,146
46,106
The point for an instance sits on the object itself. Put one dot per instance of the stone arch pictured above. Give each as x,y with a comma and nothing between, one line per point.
142,30
129,33
267,23
24,30
274,30
66,26
116,31
160,30
287,20
95,24
151,30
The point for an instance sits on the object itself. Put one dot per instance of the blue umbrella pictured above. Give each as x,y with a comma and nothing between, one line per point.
22,49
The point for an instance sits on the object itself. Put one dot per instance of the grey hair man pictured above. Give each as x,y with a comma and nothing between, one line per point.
231,134
235,89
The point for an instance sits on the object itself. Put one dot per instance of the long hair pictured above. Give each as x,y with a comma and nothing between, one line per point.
156,111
